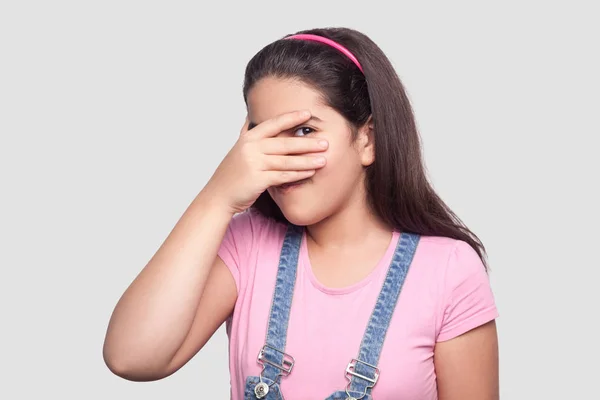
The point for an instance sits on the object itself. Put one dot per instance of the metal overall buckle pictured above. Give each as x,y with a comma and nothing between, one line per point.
350,370
262,388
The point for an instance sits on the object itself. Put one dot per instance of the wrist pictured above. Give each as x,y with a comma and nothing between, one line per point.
210,200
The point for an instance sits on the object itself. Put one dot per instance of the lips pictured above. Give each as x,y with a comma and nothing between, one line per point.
292,184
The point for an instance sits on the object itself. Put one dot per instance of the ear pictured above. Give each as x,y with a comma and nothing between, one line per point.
366,143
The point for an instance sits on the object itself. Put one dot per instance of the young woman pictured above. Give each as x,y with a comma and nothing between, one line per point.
339,271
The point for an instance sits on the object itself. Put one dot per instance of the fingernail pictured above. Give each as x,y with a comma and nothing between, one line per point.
323,143
305,113
320,160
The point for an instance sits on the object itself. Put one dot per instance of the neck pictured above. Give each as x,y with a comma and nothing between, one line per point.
350,227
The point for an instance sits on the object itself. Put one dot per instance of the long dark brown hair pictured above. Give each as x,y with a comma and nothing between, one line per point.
397,186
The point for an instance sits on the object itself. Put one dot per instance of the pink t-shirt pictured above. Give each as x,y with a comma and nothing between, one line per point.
446,293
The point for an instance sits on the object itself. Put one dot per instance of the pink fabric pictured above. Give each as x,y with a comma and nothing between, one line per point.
446,293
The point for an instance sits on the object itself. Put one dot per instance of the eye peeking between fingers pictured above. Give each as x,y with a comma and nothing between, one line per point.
303,131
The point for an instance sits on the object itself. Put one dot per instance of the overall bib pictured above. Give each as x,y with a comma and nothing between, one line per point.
361,372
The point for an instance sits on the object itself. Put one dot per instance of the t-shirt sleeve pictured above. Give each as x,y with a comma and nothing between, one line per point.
468,300
237,244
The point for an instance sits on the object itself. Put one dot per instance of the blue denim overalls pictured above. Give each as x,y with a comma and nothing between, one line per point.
362,372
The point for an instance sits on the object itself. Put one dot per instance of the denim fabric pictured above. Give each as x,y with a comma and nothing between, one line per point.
372,342
280,314
252,381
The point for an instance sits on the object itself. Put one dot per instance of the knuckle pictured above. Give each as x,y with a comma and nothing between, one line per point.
269,163
246,149
263,164
283,120
276,122
286,146
286,175
262,146
249,153
280,119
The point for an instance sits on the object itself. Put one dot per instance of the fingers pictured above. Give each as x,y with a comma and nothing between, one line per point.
277,178
293,163
274,126
292,145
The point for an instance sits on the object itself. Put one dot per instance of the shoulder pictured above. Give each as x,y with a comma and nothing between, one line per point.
251,231
448,256
250,237
252,223
463,292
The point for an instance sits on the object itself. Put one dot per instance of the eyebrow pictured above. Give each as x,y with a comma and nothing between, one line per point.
312,118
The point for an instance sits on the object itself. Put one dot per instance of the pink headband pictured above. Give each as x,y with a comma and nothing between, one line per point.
316,38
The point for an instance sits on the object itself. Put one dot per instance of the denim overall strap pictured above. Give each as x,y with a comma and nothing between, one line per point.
275,362
363,372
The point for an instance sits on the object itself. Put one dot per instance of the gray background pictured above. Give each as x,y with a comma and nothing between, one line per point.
114,114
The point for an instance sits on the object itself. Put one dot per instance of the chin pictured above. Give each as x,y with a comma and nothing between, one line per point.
299,206
301,219
301,214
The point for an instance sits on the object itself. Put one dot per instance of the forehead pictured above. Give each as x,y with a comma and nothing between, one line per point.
270,97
